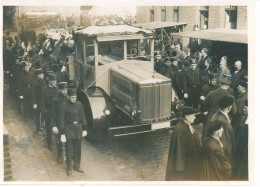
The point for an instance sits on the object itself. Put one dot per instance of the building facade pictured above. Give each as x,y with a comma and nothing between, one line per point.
203,17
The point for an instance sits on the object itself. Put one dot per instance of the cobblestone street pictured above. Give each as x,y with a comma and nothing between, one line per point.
132,158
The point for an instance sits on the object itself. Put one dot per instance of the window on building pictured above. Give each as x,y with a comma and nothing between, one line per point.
204,17
152,15
163,13
231,17
176,15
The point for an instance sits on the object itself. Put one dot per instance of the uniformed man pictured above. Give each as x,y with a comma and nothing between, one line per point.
38,98
210,86
50,91
16,69
25,90
57,102
192,85
72,125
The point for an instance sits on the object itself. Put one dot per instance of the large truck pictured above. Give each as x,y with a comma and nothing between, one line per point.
121,93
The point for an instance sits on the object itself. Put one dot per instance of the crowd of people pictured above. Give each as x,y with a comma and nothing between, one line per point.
40,85
220,96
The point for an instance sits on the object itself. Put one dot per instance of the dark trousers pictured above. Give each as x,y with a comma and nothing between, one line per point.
39,118
73,152
27,107
48,128
193,97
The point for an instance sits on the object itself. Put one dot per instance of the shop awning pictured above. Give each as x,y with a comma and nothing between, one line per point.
158,24
224,35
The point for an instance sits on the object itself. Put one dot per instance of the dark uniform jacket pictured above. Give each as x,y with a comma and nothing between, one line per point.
38,93
16,69
236,77
25,84
228,136
208,88
210,103
49,93
57,102
72,120
184,154
215,166
192,82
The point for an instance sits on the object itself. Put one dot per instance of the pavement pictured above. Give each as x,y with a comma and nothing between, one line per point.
140,157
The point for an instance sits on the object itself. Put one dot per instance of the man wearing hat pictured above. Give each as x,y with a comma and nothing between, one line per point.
215,166
50,92
16,69
38,98
72,126
57,102
228,138
223,68
210,86
185,149
210,104
192,85
236,76
25,90
240,102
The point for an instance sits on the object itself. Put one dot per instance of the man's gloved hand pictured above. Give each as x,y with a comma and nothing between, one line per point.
84,133
205,113
63,138
35,106
20,97
186,96
55,130
202,98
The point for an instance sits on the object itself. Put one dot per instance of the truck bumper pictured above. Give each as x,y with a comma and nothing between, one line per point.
143,128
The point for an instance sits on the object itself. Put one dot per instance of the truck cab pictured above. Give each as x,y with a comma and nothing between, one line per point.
120,91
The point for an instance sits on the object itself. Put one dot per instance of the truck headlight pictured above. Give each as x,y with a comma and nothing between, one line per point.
107,112
134,112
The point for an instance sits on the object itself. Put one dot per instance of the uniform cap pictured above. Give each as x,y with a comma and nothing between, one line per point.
72,92
186,110
62,85
52,76
38,71
25,63
225,101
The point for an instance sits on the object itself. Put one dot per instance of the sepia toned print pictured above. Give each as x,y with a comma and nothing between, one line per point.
130,93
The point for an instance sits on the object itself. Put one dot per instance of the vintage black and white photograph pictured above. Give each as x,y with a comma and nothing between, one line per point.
126,93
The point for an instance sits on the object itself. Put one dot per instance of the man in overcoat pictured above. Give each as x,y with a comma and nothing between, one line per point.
215,166
38,98
185,150
25,90
57,102
192,85
72,125
50,91
228,137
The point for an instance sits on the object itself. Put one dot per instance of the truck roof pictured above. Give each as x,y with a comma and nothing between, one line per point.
112,30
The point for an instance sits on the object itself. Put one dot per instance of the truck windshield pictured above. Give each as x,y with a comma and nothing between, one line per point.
112,51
